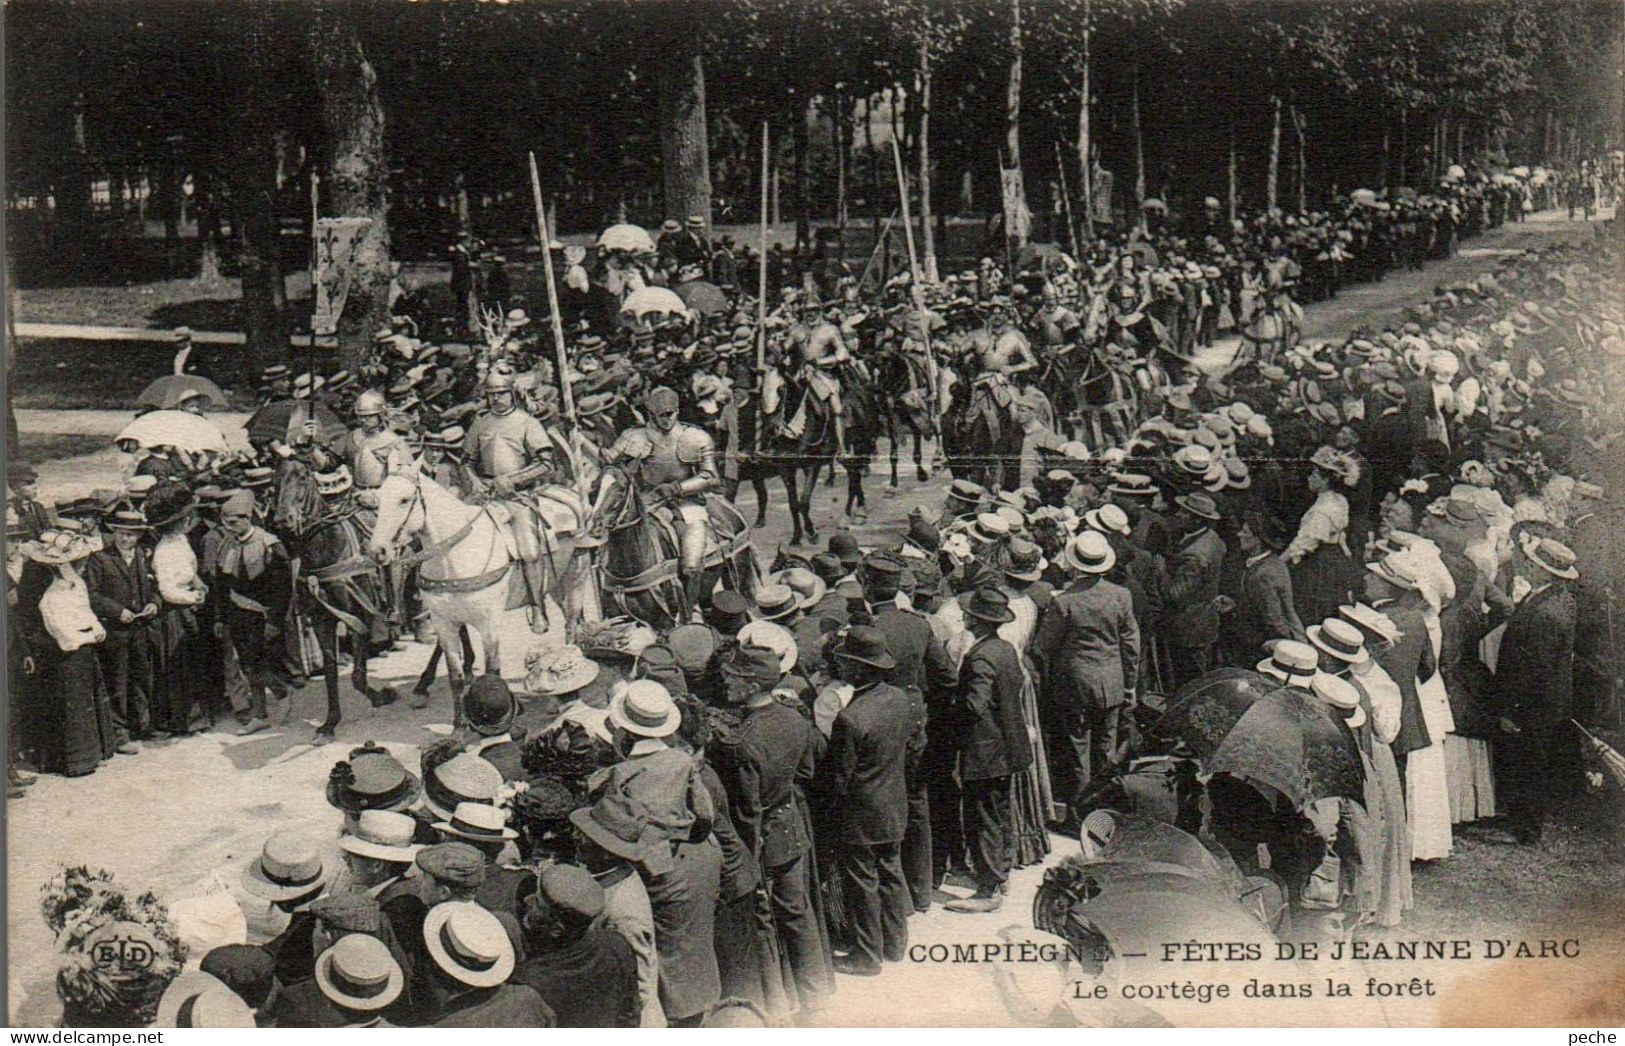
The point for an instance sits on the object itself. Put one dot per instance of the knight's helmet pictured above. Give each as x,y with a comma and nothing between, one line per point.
370,402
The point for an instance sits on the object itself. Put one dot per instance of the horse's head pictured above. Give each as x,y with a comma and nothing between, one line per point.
298,499
400,513
615,503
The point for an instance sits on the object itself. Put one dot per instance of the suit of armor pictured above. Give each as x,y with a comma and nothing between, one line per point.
681,467
372,456
511,451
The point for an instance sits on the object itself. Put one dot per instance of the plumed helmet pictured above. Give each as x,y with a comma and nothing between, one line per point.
660,400
370,402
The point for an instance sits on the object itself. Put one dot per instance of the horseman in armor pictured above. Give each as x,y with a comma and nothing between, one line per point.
374,450
676,466
821,351
511,454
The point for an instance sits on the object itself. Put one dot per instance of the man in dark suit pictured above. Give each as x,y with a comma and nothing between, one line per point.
871,743
922,668
993,746
124,595
581,968
766,765
1190,585
1533,686
22,484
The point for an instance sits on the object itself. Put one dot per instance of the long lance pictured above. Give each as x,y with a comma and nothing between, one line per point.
566,394
761,307
919,291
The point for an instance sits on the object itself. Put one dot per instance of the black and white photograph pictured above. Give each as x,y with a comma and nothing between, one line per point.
814,514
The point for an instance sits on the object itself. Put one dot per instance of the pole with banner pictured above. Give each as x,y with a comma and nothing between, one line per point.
566,394
919,297
761,305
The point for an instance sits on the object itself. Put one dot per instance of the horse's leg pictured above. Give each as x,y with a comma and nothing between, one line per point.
358,675
327,637
854,493
787,472
758,481
892,427
420,692
813,466
920,472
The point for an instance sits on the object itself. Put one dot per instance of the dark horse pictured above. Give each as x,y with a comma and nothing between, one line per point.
902,394
335,581
801,456
985,441
638,566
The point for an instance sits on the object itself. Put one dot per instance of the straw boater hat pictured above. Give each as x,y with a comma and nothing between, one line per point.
1373,621
468,944
1132,484
1108,519
478,823
776,601
1340,639
1024,560
200,1000
1398,568
125,516
644,708
383,835
1554,557
773,637
1089,553
1340,694
1290,662
463,778
289,866
359,973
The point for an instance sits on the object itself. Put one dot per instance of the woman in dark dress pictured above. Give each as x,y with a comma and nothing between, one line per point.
73,718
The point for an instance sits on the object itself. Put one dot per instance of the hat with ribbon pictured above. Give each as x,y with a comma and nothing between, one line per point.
383,835
808,587
1023,560
775,601
989,604
1554,557
463,778
1340,639
468,944
1340,694
1370,620
1291,662
1108,519
645,708
478,823
566,669
199,1000
358,973
371,779
1089,553
289,866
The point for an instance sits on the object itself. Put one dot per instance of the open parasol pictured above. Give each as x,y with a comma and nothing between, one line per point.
1153,204
1287,742
630,238
1034,255
285,421
703,297
646,300
1204,711
1363,197
172,390
173,428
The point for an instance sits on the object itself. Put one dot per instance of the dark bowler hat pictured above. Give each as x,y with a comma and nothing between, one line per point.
922,534
865,645
829,567
990,604
845,548
490,705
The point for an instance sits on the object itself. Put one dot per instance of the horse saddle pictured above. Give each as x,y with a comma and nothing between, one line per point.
725,529
537,520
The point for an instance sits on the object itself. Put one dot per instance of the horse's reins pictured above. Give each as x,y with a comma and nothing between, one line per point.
443,546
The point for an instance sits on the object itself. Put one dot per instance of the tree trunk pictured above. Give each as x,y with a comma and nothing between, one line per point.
1230,171
803,198
1273,174
253,196
1084,105
357,180
1139,137
1012,120
1402,175
841,129
685,155
928,237
874,163
1384,169
1303,163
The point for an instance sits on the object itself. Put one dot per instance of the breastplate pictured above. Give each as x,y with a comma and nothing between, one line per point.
369,456
500,443
663,465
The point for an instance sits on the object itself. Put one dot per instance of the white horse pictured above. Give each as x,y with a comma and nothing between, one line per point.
468,568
